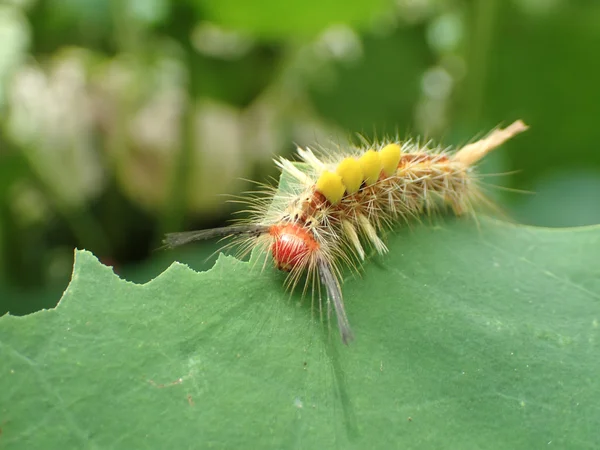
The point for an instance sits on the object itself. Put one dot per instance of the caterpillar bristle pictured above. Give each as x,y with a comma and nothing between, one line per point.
172,240
342,200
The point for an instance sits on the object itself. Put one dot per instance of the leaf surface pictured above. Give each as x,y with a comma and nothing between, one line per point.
466,337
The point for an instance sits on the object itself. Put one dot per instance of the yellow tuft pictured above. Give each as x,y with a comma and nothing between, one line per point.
331,186
352,175
390,158
371,166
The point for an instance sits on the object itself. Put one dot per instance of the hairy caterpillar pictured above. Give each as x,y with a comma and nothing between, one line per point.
344,199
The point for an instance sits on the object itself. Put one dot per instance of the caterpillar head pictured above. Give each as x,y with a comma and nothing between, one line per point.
292,246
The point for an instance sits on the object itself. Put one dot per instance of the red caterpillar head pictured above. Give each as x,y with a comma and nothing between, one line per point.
291,246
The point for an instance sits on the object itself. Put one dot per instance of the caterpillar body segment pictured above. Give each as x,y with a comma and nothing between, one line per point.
342,202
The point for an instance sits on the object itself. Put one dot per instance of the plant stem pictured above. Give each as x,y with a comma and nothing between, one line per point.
478,57
175,205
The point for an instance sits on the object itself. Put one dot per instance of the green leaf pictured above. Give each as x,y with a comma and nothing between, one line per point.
466,338
276,19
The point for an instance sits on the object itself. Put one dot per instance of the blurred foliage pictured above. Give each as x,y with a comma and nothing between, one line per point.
122,120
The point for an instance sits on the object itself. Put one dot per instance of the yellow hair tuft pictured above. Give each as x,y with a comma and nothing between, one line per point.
331,186
352,175
371,166
390,158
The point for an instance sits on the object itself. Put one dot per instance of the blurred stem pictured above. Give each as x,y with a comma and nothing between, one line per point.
127,30
4,240
176,201
87,230
477,57
13,268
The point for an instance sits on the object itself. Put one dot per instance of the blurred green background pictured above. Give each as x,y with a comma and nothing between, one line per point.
121,120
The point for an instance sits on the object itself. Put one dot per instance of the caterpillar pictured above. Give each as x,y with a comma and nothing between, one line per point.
341,201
